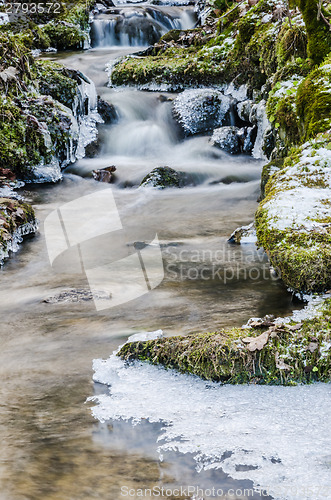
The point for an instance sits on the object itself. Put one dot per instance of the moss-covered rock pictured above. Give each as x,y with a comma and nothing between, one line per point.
164,177
52,79
282,111
17,219
64,35
281,354
267,171
313,101
318,32
293,221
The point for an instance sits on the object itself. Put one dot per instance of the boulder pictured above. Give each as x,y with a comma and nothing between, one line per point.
107,111
201,110
163,177
244,109
93,149
228,139
104,174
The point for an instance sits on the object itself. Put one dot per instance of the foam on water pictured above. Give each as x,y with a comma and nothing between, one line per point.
280,433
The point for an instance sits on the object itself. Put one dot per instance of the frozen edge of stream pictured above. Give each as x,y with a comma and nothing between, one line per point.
281,433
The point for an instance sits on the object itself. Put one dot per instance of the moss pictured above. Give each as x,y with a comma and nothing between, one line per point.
52,80
319,35
23,124
301,254
291,44
13,215
269,169
285,354
64,35
282,111
314,101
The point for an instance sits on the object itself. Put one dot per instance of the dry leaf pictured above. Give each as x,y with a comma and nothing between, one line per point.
256,343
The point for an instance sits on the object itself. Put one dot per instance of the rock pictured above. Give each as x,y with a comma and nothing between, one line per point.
293,221
163,177
76,295
104,174
244,234
246,355
249,140
244,110
93,149
107,3
201,110
6,176
17,221
107,111
227,138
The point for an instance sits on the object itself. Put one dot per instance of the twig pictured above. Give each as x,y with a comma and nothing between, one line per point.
235,7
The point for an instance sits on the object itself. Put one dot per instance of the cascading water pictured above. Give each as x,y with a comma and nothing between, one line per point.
138,25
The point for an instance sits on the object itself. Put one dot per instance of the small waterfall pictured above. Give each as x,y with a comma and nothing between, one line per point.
138,26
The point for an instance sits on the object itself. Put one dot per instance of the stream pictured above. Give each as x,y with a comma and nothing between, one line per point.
52,446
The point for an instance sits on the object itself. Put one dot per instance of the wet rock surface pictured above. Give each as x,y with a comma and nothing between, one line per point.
104,174
244,234
107,111
228,139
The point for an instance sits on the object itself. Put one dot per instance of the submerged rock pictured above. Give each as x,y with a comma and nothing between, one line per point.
163,177
104,174
76,295
201,110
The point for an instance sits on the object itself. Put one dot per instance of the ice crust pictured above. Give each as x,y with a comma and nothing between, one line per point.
282,432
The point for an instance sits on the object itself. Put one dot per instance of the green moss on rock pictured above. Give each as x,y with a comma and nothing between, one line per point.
64,35
52,80
293,222
314,101
14,215
284,354
318,33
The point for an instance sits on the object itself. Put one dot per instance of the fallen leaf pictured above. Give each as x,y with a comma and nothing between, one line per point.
256,343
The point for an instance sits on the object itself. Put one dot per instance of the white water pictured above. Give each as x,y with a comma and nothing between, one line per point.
138,26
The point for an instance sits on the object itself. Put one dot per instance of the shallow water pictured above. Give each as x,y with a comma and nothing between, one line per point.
52,448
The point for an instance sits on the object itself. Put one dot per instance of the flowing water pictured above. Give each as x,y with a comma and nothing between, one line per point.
51,447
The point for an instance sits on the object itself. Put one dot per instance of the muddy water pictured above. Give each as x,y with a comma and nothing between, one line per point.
51,448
